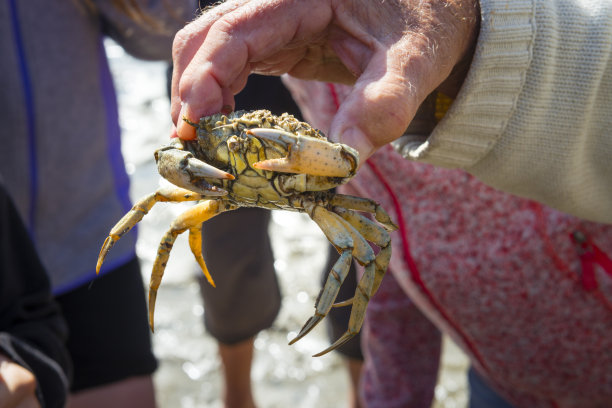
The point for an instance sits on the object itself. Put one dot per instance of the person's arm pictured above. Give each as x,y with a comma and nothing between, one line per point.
32,331
395,53
532,117
17,385
145,29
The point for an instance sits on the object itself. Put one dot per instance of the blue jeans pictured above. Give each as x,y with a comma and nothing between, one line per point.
483,396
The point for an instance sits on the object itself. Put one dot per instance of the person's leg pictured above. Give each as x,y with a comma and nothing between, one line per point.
482,395
402,351
236,360
109,341
131,392
246,299
354,367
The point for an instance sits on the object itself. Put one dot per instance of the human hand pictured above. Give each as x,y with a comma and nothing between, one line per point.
17,385
394,52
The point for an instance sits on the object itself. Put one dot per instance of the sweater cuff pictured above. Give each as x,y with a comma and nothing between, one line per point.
487,99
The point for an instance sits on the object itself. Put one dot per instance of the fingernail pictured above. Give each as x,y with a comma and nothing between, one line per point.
184,130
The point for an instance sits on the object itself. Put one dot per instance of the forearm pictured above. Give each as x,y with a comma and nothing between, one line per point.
532,117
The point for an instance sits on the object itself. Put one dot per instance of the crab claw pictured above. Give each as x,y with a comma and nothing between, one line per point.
308,326
308,155
183,170
341,341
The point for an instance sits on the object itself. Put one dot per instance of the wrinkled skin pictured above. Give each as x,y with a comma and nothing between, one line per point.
256,159
394,52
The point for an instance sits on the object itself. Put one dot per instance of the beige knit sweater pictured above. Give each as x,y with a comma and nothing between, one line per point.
534,115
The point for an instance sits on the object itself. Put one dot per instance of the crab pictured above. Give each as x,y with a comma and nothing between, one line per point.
257,159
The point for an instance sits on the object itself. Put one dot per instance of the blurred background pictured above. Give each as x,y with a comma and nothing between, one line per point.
189,372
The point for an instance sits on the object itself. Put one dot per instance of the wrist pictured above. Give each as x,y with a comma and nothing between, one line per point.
17,384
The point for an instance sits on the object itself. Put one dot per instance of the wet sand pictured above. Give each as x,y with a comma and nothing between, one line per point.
189,373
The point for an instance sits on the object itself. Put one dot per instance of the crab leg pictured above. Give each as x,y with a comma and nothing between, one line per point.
299,183
138,211
374,233
308,155
366,205
336,233
195,243
363,228
191,220
347,240
362,297
328,294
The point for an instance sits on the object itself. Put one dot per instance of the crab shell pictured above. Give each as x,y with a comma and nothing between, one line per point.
260,151
256,159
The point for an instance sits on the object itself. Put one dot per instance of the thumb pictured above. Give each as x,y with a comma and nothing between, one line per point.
377,110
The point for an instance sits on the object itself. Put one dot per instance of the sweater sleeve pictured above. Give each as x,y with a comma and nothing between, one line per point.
534,113
32,331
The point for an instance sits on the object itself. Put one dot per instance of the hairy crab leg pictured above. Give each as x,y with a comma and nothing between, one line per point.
138,211
309,155
191,220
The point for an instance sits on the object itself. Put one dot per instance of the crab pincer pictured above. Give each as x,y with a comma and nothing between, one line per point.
182,169
309,155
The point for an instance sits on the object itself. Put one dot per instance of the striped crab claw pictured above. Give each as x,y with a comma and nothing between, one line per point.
307,154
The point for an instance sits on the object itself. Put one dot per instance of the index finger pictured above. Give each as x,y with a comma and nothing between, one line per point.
248,34
187,42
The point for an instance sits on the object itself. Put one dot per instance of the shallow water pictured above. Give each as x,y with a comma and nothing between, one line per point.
189,372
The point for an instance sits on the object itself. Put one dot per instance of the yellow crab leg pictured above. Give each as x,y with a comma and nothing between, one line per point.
195,243
188,220
309,155
138,211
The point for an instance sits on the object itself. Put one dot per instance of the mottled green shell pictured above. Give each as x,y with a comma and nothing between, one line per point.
223,143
